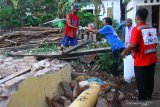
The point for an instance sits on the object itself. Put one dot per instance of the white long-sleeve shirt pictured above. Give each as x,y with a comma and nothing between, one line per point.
128,32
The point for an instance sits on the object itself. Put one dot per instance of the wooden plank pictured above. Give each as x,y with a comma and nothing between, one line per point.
27,34
25,70
81,53
29,45
36,29
45,40
68,50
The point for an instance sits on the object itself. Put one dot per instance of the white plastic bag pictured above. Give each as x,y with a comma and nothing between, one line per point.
128,68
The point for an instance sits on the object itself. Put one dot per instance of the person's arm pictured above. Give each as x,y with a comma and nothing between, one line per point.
78,23
133,42
92,30
130,47
69,22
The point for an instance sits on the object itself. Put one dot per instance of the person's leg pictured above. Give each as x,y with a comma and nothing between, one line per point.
116,62
64,42
145,81
114,66
150,70
73,41
140,79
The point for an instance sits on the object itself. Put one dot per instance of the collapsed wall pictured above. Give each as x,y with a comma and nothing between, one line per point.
30,88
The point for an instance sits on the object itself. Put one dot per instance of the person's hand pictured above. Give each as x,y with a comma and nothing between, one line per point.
86,30
75,27
123,54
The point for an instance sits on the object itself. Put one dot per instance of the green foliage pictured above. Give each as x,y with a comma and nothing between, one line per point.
104,44
8,16
85,18
30,20
45,48
105,60
31,12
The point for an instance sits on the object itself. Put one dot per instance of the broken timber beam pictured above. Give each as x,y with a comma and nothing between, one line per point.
29,45
81,44
81,53
36,29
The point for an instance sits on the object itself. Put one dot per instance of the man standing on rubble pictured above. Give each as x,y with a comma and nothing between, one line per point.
143,46
113,39
72,24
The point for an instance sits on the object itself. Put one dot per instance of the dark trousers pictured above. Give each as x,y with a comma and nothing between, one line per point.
117,61
145,81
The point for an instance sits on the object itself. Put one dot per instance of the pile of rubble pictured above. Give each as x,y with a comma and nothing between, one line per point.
110,90
29,35
80,92
88,89
15,71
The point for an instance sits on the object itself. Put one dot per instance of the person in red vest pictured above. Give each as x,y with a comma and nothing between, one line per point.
143,44
72,24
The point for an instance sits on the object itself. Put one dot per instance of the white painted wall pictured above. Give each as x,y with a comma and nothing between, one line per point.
108,3
116,9
135,4
131,13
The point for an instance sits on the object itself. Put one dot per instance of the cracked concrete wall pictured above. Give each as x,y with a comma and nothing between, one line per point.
32,92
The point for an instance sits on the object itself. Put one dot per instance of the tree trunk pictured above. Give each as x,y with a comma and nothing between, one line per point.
122,7
96,16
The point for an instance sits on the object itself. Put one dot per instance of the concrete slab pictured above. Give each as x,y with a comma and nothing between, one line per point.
33,91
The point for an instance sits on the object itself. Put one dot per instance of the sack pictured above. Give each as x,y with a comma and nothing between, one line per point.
128,68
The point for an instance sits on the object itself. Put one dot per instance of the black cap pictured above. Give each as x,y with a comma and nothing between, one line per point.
76,7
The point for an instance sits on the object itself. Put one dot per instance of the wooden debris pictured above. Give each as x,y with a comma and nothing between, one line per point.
72,84
87,59
122,99
29,36
3,98
80,53
51,103
59,99
55,104
36,29
67,90
28,46
101,102
68,50
66,103
110,98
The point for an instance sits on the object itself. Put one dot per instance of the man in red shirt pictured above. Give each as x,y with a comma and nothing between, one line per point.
72,24
143,46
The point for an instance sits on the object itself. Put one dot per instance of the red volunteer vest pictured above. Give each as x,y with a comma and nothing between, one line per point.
150,38
146,39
